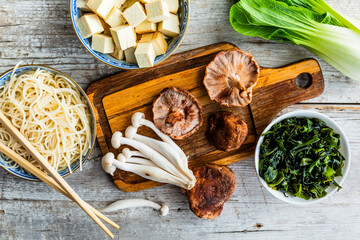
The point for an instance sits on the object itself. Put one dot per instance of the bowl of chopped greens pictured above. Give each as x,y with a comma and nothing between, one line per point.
302,157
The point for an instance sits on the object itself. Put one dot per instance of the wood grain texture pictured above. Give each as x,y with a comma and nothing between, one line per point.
40,32
278,89
117,97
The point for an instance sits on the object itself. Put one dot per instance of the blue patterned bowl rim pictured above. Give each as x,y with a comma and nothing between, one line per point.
19,171
76,13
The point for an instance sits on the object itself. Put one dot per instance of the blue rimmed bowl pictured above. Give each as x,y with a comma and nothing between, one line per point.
184,17
18,171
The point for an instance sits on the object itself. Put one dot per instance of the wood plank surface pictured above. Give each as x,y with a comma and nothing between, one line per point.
39,32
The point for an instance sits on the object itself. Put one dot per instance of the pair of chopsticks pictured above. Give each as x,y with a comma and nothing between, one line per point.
54,180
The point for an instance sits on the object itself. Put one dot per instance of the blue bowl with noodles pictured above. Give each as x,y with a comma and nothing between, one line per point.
18,171
184,17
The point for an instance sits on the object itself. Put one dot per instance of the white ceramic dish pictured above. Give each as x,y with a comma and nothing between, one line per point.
344,149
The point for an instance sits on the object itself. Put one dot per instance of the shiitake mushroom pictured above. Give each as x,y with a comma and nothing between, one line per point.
177,113
226,131
230,78
214,186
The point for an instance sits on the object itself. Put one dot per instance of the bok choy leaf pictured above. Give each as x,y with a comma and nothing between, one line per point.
320,6
302,23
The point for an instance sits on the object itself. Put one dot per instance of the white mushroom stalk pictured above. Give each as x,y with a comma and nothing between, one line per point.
130,203
128,153
131,157
160,161
162,147
117,140
138,120
153,173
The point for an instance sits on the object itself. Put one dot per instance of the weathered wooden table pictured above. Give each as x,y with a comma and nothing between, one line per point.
40,32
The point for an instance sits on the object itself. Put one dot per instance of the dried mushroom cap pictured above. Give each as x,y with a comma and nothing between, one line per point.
177,113
226,131
230,77
214,186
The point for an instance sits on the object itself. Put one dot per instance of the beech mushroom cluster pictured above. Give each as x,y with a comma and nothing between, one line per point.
160,161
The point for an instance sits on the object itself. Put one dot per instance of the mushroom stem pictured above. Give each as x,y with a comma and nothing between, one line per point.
129,203
142,161
152,173
163,148
128,153
138,119
117,140
149,172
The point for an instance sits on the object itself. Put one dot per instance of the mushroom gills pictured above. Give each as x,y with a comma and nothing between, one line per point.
230,78
177,113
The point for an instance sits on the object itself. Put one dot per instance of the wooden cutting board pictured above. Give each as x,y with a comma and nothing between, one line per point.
117,97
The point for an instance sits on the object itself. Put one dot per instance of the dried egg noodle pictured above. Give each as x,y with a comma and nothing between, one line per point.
50,113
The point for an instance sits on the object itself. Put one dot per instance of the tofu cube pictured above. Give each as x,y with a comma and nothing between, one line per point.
145,55
124,36
102,43
157,40
145,27
170,26
159,43
130,55
101,7
115,17
135,14
106,27
81,4
88,25
118,54
173,5
127,4
147,37
157,11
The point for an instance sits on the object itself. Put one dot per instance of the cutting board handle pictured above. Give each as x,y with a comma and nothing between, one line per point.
278,88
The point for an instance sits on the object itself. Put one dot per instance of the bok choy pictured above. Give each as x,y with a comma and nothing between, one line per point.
312,24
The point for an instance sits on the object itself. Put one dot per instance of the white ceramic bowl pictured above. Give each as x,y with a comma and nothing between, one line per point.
344,150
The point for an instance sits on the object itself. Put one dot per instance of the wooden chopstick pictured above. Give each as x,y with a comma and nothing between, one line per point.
46,179
51,171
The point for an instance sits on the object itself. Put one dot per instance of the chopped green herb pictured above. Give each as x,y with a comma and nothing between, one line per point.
300,157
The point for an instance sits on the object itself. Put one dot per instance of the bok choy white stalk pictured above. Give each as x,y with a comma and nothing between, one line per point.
312,24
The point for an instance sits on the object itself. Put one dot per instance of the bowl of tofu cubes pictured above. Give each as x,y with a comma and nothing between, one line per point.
130,34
